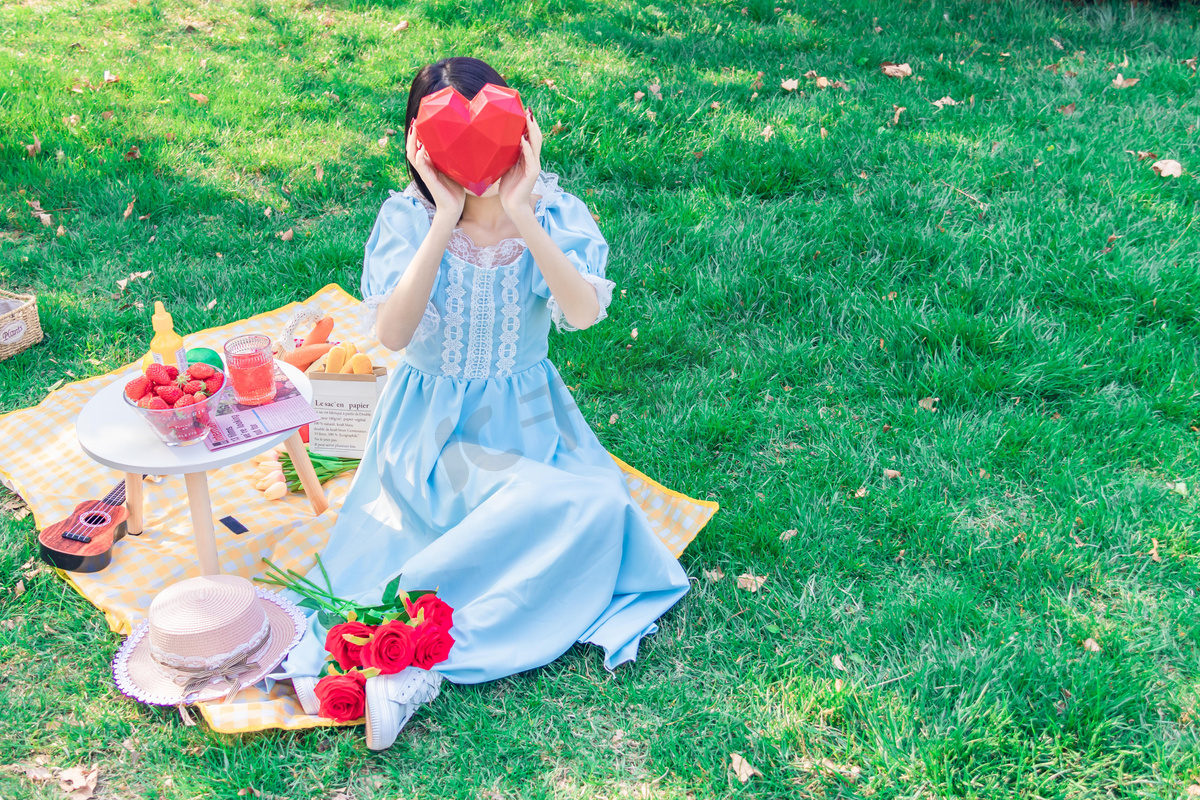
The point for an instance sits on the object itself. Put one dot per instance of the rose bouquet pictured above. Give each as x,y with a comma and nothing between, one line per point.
406,629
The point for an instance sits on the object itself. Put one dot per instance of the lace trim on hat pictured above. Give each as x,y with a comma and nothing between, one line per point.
120,667
166,661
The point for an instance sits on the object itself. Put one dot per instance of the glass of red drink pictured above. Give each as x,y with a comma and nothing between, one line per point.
251,368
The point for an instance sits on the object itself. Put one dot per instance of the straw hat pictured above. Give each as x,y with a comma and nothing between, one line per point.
204,639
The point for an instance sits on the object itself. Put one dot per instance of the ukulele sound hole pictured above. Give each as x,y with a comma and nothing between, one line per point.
95,519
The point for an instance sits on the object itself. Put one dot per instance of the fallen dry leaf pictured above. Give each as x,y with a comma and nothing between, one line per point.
1068,109
891,474
895,70
633,333
61,231
199,98
1178,487
35,208
78,784
287,235
211,305
898,111
638,95
19,589
1121,82
1142,155
788,534
838,684
107,115
714,575
837,663
402,25
133,276
790,84
320,172
110,77
767,133
1167,168
655,91
613,419
862,492
750,582
742,768
35,148
36,772
133,153
928,403
1154,556
72,120
129,208
824,133
945,101
1091,645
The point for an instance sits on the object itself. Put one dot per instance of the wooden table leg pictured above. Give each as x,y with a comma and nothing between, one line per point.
306,473
202,522
133,502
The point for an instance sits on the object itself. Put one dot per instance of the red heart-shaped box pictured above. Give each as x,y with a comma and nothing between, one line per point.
473,142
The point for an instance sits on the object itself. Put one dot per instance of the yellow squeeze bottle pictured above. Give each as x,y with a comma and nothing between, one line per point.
166,347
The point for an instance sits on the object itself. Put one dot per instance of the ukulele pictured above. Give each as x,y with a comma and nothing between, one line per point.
83,541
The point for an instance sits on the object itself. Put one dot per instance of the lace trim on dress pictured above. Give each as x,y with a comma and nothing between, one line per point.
366,318
452,347
510,322
483,317
502,253
604,292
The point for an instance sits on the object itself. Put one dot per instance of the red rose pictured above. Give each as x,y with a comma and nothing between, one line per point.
347,654
343,697
391,649
431,645
436,610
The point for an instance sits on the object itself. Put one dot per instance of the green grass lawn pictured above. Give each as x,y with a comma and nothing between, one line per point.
796,297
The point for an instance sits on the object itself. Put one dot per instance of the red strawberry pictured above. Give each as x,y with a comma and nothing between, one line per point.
172,372
136,389
200,371
158,374
145,401
191,387
169,393
214,382
185,400
157,404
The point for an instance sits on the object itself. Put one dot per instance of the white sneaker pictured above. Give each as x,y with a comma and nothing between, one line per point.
393,699
306,693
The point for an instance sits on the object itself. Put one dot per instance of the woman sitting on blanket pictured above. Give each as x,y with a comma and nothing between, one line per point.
481,477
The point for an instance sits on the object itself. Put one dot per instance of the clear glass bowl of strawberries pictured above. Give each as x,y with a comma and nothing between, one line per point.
177,406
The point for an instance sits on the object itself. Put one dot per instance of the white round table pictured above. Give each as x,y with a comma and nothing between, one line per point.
112,433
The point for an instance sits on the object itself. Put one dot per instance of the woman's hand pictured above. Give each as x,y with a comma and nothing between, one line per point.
516,185
448,196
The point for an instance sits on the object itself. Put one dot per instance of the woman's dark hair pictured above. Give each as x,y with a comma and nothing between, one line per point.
466,75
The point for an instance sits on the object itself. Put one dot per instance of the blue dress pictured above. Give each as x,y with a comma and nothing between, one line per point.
481,477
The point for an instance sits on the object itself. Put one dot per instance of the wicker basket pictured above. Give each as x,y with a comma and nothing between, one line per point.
19,325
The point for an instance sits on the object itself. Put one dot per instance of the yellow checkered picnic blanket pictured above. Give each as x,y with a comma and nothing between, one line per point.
42,462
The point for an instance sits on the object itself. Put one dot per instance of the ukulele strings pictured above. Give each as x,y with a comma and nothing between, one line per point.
81,522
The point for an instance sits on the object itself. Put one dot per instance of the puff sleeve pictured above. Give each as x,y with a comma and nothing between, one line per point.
573,229
399,229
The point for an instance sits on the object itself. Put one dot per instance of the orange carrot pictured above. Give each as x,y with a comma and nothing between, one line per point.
320,332
303,357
